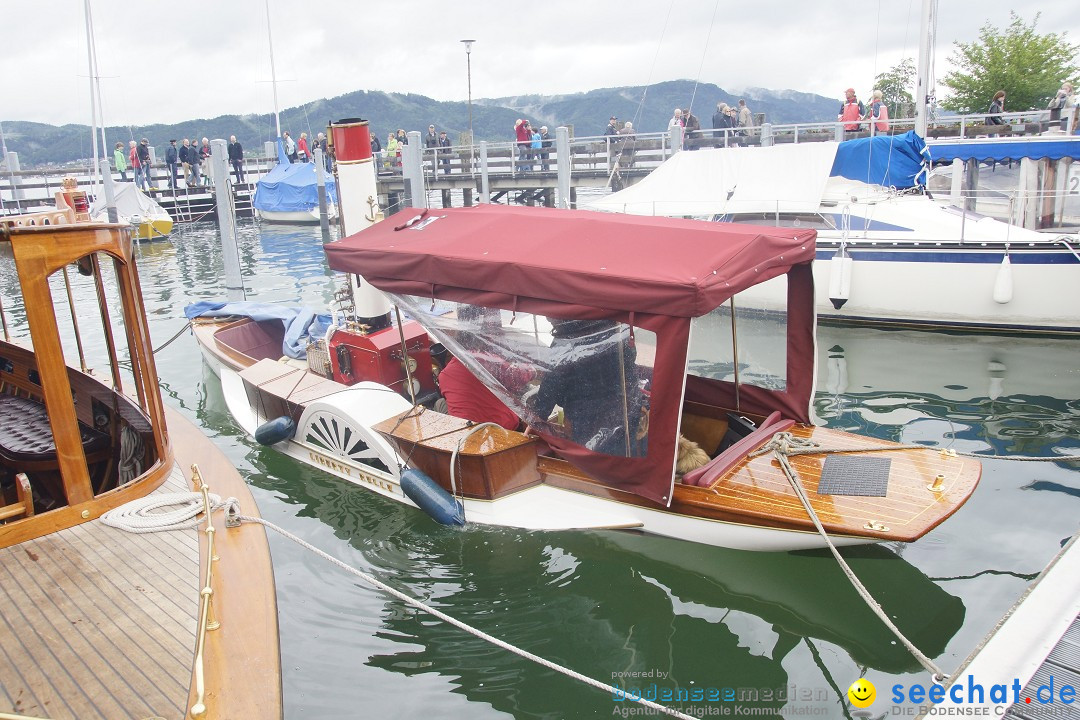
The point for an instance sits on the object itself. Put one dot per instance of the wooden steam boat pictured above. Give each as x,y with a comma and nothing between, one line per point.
99,622
611,337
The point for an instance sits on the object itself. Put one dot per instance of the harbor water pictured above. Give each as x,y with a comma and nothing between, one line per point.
785,631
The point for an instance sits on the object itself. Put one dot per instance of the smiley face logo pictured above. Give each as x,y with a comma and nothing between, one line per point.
862,693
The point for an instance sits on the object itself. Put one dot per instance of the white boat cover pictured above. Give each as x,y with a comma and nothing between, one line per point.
779,178
131,202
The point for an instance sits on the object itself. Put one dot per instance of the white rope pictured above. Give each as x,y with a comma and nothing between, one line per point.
464,626
142,516
783,444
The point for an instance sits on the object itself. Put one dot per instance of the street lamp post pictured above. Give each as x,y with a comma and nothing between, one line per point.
468,65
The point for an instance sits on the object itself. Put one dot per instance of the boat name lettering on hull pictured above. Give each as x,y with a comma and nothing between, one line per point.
350,472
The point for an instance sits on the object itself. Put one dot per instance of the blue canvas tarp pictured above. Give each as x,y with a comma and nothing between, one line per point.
899,161
291,187
1007,149
300,322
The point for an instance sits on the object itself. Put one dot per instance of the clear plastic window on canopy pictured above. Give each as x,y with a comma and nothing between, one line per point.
754,350
586,381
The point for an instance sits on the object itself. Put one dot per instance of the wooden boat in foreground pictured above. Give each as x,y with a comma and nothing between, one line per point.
99,622
611,336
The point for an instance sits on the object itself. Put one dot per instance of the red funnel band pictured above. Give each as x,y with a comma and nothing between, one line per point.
352,140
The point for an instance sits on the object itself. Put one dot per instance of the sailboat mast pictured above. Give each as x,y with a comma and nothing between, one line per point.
96,85
93,97
927,33
273,73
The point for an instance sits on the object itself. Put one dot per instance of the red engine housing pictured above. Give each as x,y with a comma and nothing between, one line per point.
376,357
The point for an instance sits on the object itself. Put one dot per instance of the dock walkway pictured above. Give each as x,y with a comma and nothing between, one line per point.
1036,645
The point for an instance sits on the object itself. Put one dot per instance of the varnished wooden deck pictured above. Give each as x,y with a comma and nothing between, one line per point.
99,623
760,489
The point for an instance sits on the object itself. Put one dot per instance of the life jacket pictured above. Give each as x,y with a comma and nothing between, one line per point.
851,112
882,117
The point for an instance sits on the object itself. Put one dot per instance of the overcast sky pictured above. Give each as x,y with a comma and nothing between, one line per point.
161,66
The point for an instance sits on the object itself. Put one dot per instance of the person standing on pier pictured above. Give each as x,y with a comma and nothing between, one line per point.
171,158
693,130
676,119
142,169
302,149
121,163
182,156
878,113
626,152
192,164
745,118
850,111
290,146
392,152
431,145
321,144
521,132
545,152
444,152
236,158
204,157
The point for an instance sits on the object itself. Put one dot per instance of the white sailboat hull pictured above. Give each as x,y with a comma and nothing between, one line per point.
296,217
952,287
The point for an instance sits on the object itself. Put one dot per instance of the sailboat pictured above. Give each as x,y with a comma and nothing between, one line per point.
129,205
289,193
887,251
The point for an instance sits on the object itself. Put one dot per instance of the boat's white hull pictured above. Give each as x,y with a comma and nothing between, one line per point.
947,287
541,507
297,217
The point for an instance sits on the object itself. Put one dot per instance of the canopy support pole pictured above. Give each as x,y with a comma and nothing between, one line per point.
735,353
405,356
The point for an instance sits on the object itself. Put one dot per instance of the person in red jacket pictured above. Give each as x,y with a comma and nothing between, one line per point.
468,398
524,137
851,111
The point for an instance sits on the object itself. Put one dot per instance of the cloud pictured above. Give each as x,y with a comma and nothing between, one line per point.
160,65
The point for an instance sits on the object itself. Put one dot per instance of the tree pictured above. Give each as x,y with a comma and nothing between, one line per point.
1028,66
894,85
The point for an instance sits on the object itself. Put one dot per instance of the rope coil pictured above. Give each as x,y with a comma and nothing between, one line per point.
145,516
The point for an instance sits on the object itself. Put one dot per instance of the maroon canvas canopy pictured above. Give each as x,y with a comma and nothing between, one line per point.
682,268
648,272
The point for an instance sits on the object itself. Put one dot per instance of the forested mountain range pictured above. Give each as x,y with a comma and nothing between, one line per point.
649,108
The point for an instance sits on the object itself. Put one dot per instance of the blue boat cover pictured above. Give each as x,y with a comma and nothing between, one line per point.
1007,149
291,187
300,323
899,161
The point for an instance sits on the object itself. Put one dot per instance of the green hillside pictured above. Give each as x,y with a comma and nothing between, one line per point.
39,144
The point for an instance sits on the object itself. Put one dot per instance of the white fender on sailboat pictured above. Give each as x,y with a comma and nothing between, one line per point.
840,278
1003,283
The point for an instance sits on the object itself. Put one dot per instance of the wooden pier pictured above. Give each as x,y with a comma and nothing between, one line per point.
463,175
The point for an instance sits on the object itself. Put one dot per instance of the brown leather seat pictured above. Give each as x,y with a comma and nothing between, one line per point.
26,436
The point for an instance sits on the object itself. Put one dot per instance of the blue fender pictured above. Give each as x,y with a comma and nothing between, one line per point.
440,505
274,431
